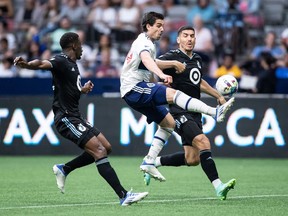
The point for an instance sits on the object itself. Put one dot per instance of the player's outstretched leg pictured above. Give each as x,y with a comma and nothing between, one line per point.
150,168
131,198
223,189
60,176
222,109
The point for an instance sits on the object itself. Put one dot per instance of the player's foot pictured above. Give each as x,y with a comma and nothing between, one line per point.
60,176
147,179
148,167
131,198
223,189
222,109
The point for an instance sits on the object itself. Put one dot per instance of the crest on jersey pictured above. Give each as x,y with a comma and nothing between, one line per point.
81,127
150,85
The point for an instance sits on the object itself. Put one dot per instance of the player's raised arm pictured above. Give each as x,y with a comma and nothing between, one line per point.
206,88
32,65
152,66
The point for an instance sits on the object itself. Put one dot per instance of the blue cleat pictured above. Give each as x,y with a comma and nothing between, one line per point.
60,176
131,198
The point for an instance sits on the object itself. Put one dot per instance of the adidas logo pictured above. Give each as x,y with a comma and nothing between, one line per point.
73,69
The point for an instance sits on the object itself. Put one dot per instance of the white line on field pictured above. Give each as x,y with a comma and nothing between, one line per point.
145,201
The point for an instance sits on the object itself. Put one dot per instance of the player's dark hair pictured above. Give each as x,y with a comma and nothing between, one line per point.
183,28
150,18
68,39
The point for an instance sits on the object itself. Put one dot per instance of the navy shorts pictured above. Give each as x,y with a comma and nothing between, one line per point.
148,99
75,129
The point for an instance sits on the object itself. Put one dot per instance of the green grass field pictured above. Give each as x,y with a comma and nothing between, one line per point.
28,187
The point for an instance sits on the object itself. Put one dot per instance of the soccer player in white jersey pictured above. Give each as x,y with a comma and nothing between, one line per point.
150,98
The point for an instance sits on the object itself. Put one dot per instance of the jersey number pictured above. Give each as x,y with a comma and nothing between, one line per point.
195,76
79,83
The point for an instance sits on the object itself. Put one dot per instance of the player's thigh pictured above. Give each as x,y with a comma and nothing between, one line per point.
170,92
201,142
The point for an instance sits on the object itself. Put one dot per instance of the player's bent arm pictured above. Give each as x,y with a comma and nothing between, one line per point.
32,65
206,88
165,64
150,63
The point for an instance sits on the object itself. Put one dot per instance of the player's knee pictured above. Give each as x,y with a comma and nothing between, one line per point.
192,161
109,149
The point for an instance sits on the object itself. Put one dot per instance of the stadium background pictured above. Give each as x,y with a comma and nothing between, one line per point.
255,127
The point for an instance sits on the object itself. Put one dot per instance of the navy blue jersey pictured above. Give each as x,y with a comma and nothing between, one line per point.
66,85
188,81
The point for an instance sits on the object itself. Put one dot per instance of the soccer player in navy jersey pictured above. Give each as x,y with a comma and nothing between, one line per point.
68,119
195,143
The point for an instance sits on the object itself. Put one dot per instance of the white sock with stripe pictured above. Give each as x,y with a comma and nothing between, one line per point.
192,104
160,138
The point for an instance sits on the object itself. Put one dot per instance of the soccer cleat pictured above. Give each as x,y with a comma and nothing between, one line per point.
147,179
222,109
152,170
223,189
131,198
60,176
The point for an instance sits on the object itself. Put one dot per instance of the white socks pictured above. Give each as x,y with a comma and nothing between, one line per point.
192,104
160,138
216,183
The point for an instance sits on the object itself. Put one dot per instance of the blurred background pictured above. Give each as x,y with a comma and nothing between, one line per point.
245,38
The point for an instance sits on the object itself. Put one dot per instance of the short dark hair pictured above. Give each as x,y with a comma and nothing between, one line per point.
150,18
67,39
183,28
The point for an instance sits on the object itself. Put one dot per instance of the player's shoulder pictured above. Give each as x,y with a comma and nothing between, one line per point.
170,54
61,57
197,56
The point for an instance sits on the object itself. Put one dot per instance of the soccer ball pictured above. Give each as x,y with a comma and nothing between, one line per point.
227,85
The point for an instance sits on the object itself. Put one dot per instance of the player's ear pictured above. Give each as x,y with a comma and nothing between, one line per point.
178,40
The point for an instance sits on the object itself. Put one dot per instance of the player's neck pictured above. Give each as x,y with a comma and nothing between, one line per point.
188,53
70,54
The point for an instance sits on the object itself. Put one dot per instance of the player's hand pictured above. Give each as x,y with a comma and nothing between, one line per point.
88,87
179,67
20,62
221,100
166,79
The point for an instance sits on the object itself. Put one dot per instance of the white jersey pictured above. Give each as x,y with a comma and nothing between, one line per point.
133,70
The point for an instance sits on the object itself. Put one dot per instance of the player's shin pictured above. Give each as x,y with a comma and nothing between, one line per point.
160,138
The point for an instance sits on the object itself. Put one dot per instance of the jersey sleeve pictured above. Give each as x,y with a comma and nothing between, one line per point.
144,45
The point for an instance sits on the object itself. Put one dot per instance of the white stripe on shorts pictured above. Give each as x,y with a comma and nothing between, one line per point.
71,127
